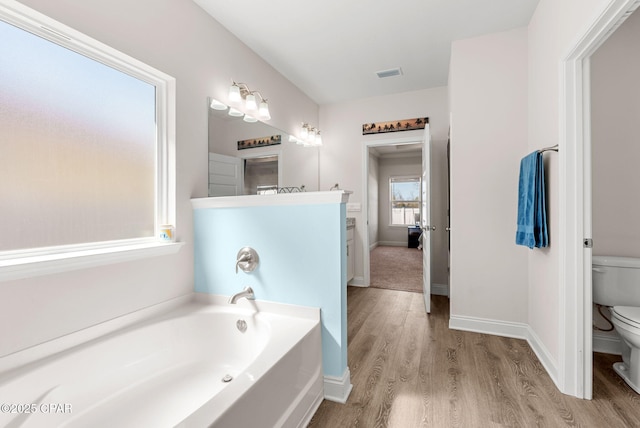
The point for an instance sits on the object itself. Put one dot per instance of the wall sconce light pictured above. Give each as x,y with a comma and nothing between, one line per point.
309,136
217,105
240,91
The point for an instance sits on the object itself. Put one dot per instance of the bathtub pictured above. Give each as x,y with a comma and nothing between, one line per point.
187,364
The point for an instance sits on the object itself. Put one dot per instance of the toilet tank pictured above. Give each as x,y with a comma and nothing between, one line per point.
616,281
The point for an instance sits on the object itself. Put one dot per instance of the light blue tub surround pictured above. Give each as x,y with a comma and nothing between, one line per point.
301,241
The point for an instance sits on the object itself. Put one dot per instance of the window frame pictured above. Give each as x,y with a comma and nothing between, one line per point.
405,178
24,263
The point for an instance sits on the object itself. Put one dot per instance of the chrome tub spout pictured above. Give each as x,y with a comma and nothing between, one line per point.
247,293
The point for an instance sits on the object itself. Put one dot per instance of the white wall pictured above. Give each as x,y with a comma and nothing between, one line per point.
180,39
393,167
488,93
555,28
615,109
341,156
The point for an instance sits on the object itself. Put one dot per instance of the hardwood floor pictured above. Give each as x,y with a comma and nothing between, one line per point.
409,370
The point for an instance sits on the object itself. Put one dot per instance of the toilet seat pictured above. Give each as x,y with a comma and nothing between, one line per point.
627,314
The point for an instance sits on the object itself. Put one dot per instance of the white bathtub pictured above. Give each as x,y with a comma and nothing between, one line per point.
166,370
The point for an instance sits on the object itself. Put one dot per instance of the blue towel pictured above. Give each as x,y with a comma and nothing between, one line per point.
532,215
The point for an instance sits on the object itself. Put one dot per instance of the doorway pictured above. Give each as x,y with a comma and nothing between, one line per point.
396,250
576,353
261,173
370,201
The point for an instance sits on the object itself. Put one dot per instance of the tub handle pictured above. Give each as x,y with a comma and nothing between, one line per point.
247,259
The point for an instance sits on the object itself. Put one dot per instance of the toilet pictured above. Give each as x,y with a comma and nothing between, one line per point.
616,283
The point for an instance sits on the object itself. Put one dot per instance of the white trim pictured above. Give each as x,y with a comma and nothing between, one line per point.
489,326
338,388
543,354
46,264
301,198
365,193
607,343
508,329
575,373
358,281
392,243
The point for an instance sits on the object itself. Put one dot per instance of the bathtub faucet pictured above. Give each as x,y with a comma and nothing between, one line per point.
247,259
247,293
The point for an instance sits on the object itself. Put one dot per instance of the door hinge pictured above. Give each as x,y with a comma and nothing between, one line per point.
588,243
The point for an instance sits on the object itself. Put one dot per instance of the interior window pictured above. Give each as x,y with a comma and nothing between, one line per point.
404,200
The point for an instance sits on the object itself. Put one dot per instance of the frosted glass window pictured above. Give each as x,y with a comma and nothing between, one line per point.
78,147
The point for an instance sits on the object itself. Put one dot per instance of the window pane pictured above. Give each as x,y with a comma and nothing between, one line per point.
77,147
405,200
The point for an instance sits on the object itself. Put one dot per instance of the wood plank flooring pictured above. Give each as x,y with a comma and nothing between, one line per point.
409,370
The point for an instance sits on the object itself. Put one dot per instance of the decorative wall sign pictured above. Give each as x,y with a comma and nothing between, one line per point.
394,126
259,142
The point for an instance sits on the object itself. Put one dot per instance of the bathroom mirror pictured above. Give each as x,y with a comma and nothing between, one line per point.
261,164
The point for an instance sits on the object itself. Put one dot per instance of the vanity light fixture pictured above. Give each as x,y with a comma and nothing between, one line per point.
309,136
217,105
235,112
240,91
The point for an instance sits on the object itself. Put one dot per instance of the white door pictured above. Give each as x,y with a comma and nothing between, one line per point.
225,175
425,216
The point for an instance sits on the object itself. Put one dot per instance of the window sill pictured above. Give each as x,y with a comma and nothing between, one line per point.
46,264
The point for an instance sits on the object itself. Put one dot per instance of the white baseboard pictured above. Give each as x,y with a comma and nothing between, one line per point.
606,343
338,388
508,329
372,246
358,281
393,243
488,326
544,356
440,289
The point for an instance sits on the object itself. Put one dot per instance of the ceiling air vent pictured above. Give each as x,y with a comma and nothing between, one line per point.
389,73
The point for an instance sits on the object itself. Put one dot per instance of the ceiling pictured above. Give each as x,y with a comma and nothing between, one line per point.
332,49
397,150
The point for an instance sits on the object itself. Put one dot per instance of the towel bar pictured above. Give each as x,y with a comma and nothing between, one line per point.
549,149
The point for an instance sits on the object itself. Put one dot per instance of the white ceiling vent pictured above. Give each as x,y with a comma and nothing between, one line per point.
389,73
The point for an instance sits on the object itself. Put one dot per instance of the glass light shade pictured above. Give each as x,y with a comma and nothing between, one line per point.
249,119
250,102
312,136
264,111
318,139
304,133
217,105
234,93
235,112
